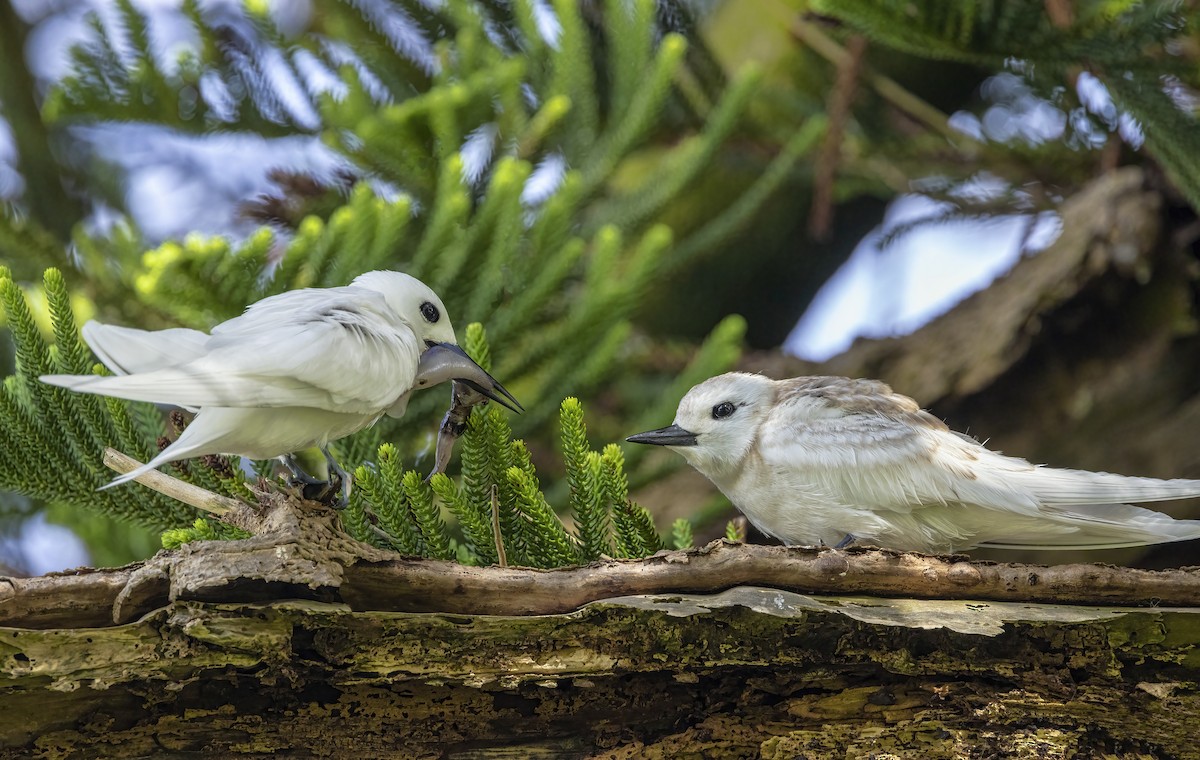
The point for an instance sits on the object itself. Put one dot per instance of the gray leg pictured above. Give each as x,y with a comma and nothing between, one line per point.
347,480
299,476
316,489
849,539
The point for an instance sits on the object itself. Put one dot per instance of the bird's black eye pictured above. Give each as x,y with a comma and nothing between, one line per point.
430,312
722,410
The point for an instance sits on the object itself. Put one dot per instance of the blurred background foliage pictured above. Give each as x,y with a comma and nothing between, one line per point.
621,191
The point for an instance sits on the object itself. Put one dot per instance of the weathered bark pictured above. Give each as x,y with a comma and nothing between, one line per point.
744,673
257,570
301,640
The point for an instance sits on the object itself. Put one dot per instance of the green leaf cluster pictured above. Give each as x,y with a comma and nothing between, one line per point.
52,440
203,529
558,275
558,278
498,512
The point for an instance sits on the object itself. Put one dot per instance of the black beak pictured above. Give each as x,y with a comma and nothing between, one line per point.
446,361
668,436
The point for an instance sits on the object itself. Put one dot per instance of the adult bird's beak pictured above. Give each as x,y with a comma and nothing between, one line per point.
446,361
668,436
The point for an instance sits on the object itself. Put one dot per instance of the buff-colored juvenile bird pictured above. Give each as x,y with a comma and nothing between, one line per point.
833,460
296,370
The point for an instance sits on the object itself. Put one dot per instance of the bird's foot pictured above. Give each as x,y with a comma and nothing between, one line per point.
334,492
323,491
849,539
343,479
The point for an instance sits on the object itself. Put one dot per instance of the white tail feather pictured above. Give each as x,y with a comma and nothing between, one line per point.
1105,526
126,350
200,437
194,388
1055,487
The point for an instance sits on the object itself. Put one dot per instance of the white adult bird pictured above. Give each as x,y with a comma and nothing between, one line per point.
832,460
296,370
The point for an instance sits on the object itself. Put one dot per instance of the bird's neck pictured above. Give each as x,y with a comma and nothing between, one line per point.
716,469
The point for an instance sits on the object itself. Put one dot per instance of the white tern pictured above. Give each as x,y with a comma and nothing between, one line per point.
832,460
296,370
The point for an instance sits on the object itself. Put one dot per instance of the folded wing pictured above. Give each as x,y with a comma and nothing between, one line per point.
127,350
339,349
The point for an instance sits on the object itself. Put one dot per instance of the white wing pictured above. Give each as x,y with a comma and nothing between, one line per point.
127,350
1063,488
340,349
927,483
894,458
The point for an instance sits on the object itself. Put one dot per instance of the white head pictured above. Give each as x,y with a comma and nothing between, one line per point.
414,302
441,357
717,421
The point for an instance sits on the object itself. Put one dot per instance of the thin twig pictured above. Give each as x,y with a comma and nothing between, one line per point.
841,101
173,487
887,88
501,557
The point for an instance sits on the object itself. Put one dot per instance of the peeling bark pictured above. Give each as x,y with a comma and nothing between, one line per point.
256,570
301,640
748,672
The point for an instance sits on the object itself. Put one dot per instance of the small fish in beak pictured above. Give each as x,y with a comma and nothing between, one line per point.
446,361
471,386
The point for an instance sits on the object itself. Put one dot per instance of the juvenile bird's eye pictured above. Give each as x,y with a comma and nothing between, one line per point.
430,312
722,410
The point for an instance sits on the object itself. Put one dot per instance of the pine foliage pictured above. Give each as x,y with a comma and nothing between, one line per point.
461,131
500,487
1125,44
480,154
587,496
52,440
681,534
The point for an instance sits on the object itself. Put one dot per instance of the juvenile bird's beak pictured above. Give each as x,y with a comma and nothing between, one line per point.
446,361
668,436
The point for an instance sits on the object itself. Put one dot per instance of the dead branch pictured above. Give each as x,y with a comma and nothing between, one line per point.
840,104
427,586
193,496
230,572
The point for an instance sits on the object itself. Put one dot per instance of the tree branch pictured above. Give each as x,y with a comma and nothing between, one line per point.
428,586
377,582
187,493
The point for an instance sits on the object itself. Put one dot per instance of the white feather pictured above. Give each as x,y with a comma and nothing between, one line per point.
814,459
127,350
295,370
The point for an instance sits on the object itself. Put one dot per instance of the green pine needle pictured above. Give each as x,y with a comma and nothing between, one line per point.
735,531
586,499
434,538
681,534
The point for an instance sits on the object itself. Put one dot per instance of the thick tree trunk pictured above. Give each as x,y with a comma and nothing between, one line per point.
300,640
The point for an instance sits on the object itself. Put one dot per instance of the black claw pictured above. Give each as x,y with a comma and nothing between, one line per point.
334,492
